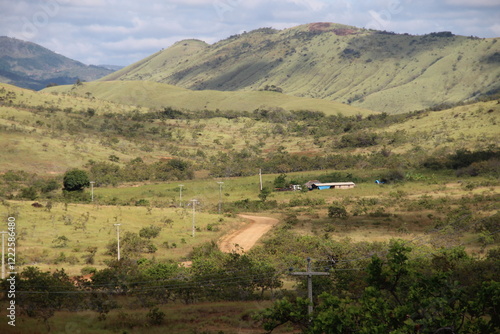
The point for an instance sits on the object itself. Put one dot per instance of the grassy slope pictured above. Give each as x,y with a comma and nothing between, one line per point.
44,142
392,73
157,95
473,127
43,149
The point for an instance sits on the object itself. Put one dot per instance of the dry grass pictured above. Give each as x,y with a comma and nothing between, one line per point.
39,229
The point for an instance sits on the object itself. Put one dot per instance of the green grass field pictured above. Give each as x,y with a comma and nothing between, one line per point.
159,95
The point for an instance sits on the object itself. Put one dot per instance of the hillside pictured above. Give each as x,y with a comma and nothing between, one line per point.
30,65
375,70
159,95
51,132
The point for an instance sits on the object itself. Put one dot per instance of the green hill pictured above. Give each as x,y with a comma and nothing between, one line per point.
158,95
30,65
376,70
50,132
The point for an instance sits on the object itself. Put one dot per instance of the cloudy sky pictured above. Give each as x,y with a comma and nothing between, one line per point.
120,32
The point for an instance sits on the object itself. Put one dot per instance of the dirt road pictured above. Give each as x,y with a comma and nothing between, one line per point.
246,237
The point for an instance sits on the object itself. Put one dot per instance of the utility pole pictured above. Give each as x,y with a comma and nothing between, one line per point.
3,254
194,210
92,189
309,275
180,194
118,238
220,195
260,178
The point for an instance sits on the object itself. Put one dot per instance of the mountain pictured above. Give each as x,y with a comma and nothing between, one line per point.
371,69
112,67
30,65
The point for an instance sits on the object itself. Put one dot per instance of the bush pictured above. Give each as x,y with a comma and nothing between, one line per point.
155,316
359,139
29,193
150,232
337,211
393,176
142,202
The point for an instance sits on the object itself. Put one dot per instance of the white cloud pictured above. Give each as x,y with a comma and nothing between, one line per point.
496,29
474,3
134,44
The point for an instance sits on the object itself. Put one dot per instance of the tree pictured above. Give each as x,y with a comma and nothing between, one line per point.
280,181
75,180
264,193
39,293
405,295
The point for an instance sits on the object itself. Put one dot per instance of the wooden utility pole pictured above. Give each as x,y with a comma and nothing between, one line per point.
3,253
309,275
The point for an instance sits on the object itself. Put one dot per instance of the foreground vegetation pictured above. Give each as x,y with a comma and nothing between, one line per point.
446,230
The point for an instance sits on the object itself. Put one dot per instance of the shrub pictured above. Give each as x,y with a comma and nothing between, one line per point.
142,202
358,139
150,232
60,242
29,193
155,316
337,211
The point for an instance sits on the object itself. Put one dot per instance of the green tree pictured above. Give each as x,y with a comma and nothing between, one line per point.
280,181
264,193
38,293
448,293
75,180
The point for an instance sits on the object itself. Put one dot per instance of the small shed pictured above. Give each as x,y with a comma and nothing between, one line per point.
331,185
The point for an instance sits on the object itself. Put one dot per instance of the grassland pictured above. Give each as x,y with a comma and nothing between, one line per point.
92,225
49,133
84,226
158,95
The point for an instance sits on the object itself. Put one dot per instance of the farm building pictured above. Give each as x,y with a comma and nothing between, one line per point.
329,185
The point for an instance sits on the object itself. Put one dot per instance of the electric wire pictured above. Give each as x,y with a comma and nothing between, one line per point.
239,275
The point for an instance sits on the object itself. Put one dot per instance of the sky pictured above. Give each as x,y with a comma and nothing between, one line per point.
121,32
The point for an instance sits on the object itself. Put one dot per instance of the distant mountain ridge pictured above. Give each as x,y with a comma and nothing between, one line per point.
29,65
377,70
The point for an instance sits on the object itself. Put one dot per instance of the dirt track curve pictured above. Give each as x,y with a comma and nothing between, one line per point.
246,237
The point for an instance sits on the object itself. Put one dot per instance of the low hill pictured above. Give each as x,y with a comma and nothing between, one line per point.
158,95
30,65
377,70
51,132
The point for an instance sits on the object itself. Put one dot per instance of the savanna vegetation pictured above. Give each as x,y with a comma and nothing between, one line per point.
415,253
